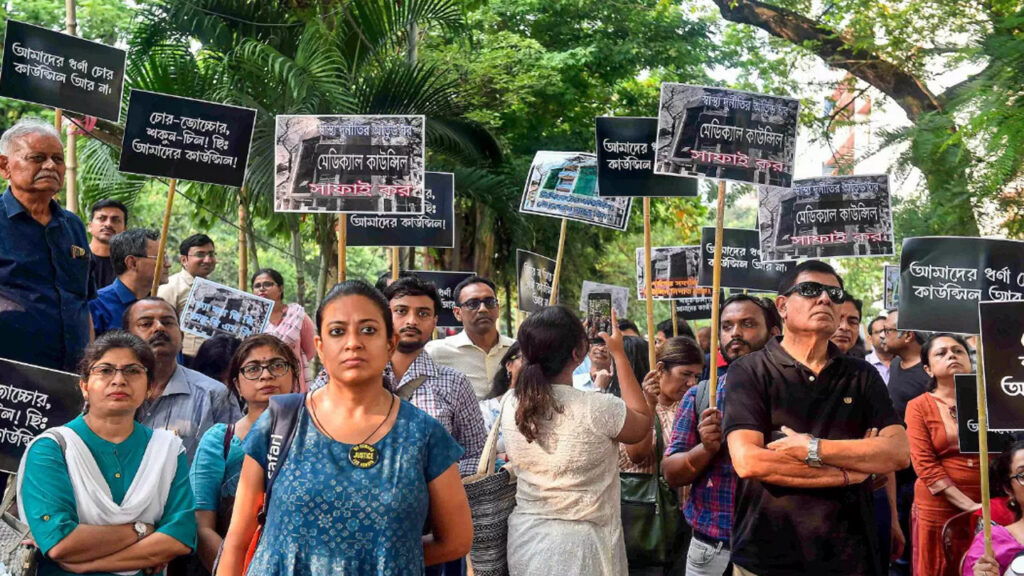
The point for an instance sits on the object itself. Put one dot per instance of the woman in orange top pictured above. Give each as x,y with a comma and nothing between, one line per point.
947,481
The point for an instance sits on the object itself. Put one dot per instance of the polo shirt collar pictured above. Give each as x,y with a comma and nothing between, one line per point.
13,207
777,353
178,384
125,295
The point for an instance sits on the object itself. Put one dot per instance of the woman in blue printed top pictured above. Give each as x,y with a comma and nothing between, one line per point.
104,494
261,367
364,472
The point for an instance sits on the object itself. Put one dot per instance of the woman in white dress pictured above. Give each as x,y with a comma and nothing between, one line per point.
563,446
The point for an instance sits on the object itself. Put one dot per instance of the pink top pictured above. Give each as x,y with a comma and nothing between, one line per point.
1004,545
296,330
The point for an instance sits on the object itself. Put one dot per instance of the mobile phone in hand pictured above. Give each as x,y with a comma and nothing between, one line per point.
599,314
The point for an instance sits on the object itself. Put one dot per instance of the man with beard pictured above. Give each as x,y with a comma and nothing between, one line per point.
180,400
478,349
440,391
807,427
107,218
198,260
846,332
696,455
45,286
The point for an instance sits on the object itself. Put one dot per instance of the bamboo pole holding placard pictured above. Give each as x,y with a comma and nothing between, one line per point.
394,263
675,320
986,503
558,265
342,244
71,154
716,284
163,234
651,352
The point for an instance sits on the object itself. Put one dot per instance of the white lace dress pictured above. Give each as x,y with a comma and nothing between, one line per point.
567,518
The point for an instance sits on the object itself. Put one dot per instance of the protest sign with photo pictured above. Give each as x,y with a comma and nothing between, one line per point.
828,217
620,296
967,419
435,227
625,160
741,261
61,71
891,292
675,273
564,185
942,279
445,283
350,163
536,274
32,399
1002,349
186,139
214,308
726,134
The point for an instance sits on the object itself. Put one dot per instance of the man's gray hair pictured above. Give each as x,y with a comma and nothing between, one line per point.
131,243
24,127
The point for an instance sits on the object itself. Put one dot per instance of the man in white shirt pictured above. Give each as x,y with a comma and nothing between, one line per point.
879,356
198,260
477,350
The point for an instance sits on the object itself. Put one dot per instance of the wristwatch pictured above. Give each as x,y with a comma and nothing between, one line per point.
140,529
813,460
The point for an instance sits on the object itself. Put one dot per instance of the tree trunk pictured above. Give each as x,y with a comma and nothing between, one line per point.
483,246
295,227
328,241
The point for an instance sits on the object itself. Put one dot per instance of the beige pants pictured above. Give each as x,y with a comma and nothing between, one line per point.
737,571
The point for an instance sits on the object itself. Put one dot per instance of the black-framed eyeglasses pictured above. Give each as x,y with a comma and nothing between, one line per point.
476,303
814,289
264,285
254,371
1019,478
106,372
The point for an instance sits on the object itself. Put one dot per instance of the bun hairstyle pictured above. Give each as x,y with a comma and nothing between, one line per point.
548,339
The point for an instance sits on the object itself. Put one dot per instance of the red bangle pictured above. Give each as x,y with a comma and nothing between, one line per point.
846,477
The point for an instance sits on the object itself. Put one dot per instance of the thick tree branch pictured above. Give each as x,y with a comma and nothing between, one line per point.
904,88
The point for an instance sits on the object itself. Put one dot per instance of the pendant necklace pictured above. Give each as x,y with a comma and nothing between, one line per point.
362,455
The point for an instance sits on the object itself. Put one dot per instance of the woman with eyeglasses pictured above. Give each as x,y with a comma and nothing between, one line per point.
948,482
104,494
289,322
1007,541
262,367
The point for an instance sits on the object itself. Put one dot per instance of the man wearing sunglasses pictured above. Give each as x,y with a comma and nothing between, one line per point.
806,428
477,350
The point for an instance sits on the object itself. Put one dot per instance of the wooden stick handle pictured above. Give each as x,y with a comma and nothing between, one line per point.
716,284
342,245
652,355
675,320
163,235
558,265
395,252
986,504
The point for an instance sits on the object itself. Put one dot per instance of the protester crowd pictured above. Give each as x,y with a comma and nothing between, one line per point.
830,446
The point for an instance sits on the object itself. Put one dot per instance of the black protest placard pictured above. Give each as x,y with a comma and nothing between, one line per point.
967,419
942,279
435,227
445,283
1002,349
620,296
829,217
675,273
186,139
741,261
726,134
625,160
350,164
32,399
536,275
891,288
694,308
62,71
214,308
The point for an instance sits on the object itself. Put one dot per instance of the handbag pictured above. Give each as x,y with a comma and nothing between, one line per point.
651,520
492,496
16,557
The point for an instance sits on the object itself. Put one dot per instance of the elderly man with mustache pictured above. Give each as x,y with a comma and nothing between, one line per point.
180,400
44,254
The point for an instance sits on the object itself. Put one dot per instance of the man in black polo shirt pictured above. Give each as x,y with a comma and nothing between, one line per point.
806,428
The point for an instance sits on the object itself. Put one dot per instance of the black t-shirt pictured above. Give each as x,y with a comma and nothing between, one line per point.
906,384
101,270
780,531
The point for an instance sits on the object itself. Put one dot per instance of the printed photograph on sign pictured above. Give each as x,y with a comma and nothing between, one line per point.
891,294
675,272
620,296
741,267
726,134
371,164
564,185
828,217
967,419
445,282
536,275
187,139
32,399
943,278
214,308
62,71
435,227
625,160
1002,346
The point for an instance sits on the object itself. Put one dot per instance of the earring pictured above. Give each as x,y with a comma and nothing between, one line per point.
1012,503
85,406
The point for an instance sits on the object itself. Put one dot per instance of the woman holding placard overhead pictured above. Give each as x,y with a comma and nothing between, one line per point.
103,493
948,482
289,322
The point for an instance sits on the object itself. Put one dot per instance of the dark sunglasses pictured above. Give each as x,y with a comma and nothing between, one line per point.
475,303
814,289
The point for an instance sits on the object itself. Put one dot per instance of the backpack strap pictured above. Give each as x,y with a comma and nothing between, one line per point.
406,392
703,400
286,410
